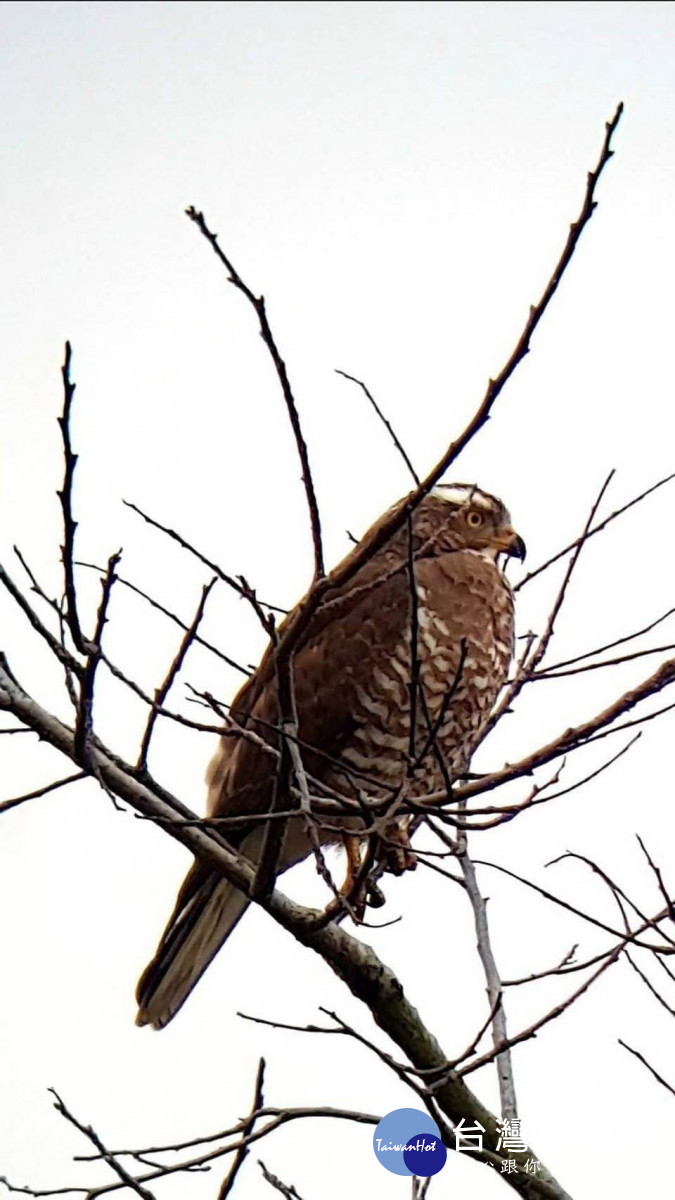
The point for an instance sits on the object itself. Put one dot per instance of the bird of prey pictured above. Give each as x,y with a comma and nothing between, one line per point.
433,605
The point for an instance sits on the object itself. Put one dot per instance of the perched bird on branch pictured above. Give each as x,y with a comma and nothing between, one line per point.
393,681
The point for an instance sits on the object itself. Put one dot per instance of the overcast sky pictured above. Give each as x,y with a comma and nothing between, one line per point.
398,179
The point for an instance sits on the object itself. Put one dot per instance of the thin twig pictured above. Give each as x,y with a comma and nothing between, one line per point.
403,1070
659,877
273,838
65,495
84,726
592,532
58,609
239,588
55,646
529,666
28,1191
549,673
230,1179
5,805
286,1190
544,641
649,985
90,1133
282,1116
533,1029
387,424
629,637
164,689
578,912
618,892
258,303
477,1039
231,662
573,737
535,797
649,1067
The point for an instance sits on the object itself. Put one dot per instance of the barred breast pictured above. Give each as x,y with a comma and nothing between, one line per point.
463,600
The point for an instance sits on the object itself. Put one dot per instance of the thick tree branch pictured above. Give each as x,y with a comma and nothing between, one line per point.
354,962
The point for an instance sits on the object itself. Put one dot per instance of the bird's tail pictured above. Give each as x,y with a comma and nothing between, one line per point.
206,912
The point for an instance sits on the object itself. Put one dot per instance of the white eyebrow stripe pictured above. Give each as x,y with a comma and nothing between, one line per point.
462,494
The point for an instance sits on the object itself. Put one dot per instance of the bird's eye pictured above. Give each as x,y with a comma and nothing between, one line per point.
474,519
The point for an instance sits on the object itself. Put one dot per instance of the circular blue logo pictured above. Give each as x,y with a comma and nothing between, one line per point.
408,1142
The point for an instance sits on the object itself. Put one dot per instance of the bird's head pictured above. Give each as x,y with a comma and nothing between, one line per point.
459,516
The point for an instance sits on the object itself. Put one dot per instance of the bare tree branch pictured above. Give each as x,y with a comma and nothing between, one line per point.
444,1090
66,497
574,736
355,963
387,424
659,877
649,985
558,1009
5,805
592,532
55,646
527,668
507,1090
231,662
242,589
649,1067
90,1133
578,912
258,303
629,637
364,551
286,1190
164,689
84,724
230,1179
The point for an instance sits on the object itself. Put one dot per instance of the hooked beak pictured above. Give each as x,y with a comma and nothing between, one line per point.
513,545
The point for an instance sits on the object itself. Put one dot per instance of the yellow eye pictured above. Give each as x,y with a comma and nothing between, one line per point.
474,518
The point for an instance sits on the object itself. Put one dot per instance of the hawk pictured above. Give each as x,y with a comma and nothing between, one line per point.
352,672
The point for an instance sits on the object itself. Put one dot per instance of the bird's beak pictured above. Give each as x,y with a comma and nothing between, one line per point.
512,544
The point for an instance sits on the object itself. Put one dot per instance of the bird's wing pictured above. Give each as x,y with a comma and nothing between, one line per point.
359,626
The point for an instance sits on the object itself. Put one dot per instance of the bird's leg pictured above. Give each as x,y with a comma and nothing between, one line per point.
355,888
352,846
397,854
359,889
388,851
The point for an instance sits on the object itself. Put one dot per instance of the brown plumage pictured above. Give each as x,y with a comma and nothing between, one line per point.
351,674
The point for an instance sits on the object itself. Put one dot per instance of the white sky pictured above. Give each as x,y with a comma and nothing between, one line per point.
398,180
